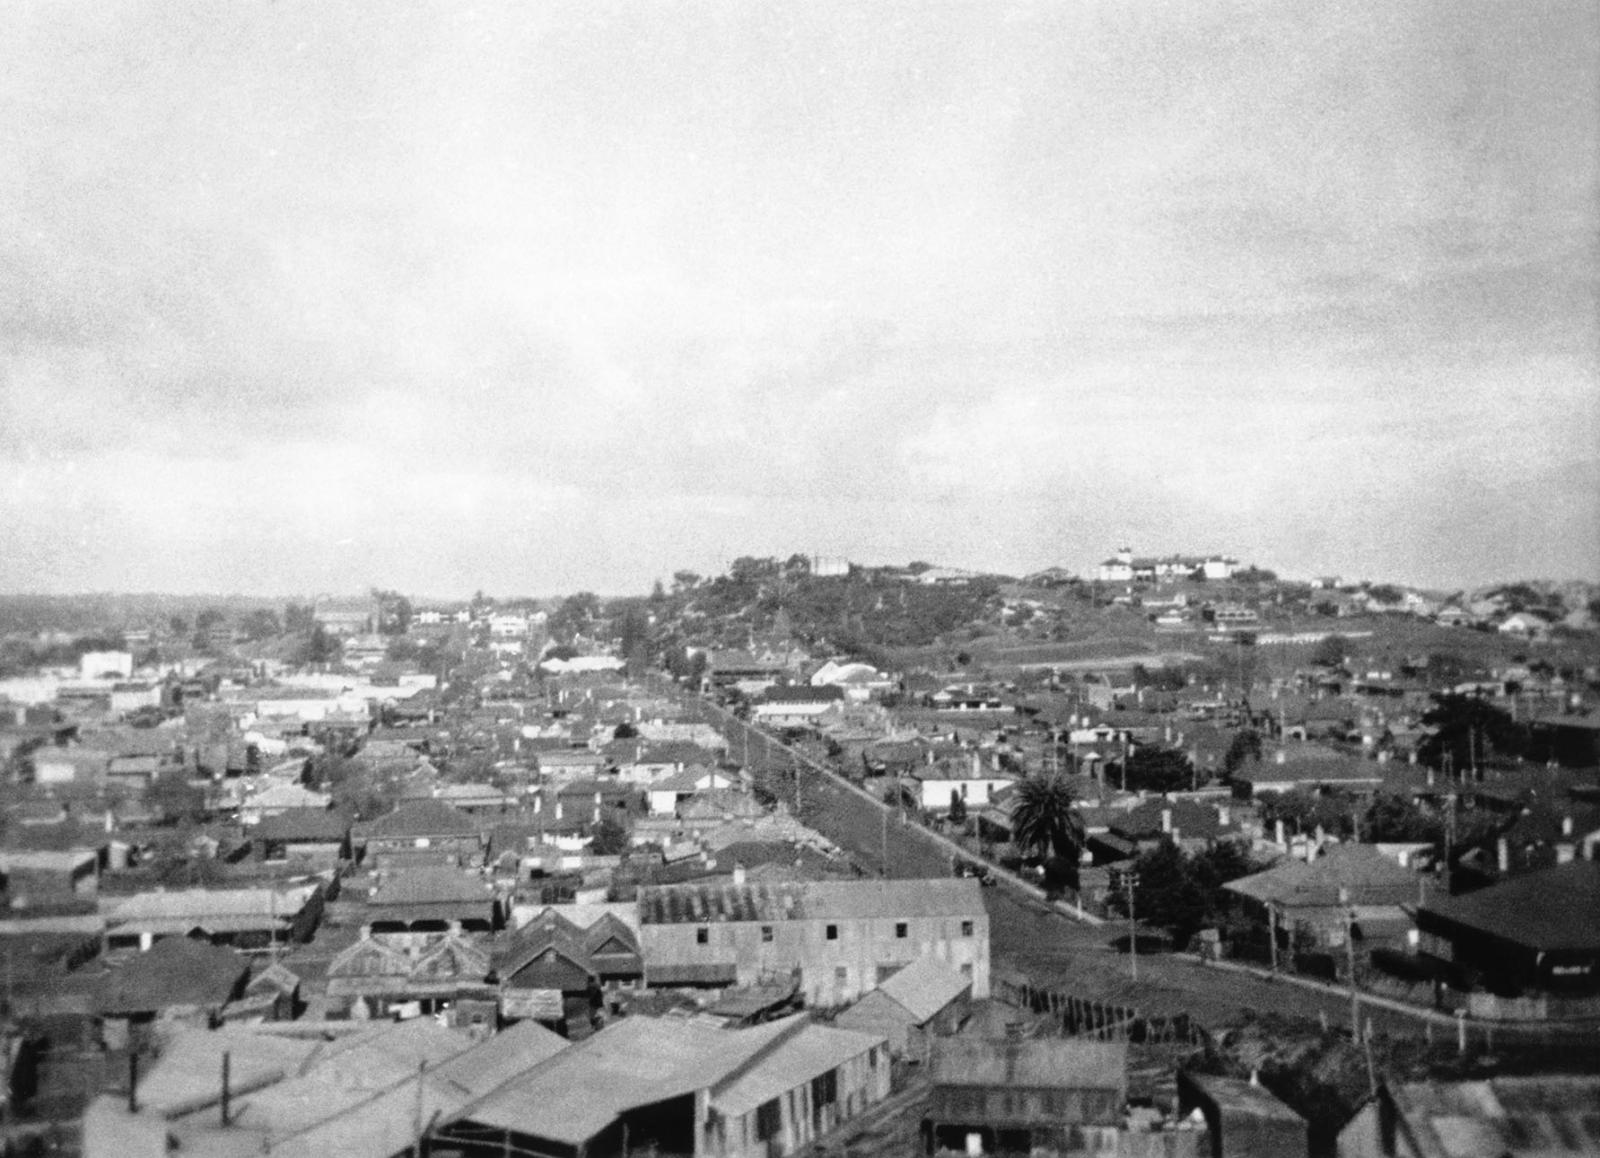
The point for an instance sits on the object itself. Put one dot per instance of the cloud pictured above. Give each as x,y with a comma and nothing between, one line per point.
543,296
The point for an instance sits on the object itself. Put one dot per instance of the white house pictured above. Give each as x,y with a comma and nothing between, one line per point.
1525,626
974,785
99,665
666,794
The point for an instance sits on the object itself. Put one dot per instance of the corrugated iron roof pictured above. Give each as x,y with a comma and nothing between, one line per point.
809,900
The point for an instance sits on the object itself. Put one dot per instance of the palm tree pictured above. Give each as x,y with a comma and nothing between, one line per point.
1044,817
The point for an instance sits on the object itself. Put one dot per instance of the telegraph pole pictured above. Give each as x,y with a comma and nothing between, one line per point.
1130,881
1350,949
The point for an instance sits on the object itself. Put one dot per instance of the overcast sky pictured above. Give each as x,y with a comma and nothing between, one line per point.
298,296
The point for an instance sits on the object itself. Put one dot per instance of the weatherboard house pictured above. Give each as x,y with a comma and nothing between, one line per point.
844,938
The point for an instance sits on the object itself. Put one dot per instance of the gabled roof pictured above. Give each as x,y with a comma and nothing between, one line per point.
1554,909
688,780
420,818
924,987
370,957
547,933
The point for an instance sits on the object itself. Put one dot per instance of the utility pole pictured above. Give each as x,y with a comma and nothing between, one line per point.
1350,950
1130,881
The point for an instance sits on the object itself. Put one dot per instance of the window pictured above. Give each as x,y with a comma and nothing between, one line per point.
966,971
825,1089
966,928
832,932
901,930
769,1120
766,934
842,974
702,936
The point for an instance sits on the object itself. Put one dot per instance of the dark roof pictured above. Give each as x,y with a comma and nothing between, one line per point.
176,971
549,931
1551,910
802,694
303,824
420,818
1190,818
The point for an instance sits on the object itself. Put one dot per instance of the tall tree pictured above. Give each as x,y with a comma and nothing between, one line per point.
1044,817
1465,731
1245,745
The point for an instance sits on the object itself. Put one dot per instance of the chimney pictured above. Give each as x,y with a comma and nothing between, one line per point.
1224,814
1281,757
738,874
1566,826
1277,834
1166,820
1502,850
1430,771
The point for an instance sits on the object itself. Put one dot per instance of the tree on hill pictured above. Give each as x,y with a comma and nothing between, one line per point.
576,616
261,624
1331,651
298,617
319,647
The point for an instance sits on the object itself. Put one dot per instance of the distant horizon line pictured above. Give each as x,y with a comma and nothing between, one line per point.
301,597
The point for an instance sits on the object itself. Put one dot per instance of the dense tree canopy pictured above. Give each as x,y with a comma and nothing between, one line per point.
1152,768
1468,731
